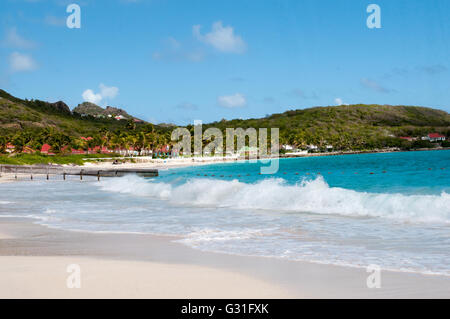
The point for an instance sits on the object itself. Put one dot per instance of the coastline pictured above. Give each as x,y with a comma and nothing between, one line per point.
34,258
164,164
33,261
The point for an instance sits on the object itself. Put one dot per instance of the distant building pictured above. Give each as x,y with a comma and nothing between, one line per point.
434,137
287,147
407,138
297,152
46,149
120,117
10,148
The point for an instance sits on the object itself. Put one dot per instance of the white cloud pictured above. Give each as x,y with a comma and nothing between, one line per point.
106,92
221,38
173,43
174,51
232,101
373,85
339,101
19,62
13,39
89,96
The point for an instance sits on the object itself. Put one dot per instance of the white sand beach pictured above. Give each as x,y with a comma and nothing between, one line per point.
34,261
40,270
45,277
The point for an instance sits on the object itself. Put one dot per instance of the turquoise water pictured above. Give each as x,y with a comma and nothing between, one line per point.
392,209
402,172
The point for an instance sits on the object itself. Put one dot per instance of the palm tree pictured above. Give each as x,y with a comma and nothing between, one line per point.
3,142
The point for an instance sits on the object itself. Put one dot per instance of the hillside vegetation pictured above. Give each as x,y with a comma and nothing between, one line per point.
17,114
350,126
28,124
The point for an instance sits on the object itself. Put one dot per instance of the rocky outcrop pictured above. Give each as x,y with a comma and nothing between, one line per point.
61,106
88,108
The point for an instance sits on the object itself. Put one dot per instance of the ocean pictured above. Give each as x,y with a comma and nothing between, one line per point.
387,209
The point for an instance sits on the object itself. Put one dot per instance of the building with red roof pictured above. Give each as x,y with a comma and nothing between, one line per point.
46,149
10,148
435,137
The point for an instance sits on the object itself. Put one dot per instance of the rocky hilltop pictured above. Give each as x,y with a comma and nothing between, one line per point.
88,108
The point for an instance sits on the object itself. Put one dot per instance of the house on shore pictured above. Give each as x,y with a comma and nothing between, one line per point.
434,137
46,149
10,148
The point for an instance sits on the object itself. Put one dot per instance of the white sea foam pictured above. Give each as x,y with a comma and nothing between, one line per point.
310,196
211,235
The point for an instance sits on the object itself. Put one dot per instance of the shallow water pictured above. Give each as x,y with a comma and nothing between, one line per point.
392,210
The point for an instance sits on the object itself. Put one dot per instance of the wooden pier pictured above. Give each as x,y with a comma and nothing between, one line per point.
64,171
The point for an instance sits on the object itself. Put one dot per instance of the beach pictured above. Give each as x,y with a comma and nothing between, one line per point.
34,260
130,243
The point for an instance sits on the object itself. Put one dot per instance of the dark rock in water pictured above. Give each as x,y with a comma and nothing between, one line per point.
61,106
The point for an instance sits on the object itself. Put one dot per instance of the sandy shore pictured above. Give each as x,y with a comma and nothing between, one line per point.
46,277
34,260
7,177
146,162
34,263
143,163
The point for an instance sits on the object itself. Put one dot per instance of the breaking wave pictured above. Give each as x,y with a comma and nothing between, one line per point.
309,196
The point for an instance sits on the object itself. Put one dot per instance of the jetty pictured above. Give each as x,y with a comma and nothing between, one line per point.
64,171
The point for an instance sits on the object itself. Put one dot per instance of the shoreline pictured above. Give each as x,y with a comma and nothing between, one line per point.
168,164
367,152
149,266
163,164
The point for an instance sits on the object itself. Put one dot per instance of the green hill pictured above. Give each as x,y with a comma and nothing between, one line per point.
17,114
345,127
350,126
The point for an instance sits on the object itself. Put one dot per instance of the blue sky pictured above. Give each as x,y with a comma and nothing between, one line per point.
176,61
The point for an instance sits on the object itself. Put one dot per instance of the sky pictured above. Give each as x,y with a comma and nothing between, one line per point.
176,61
